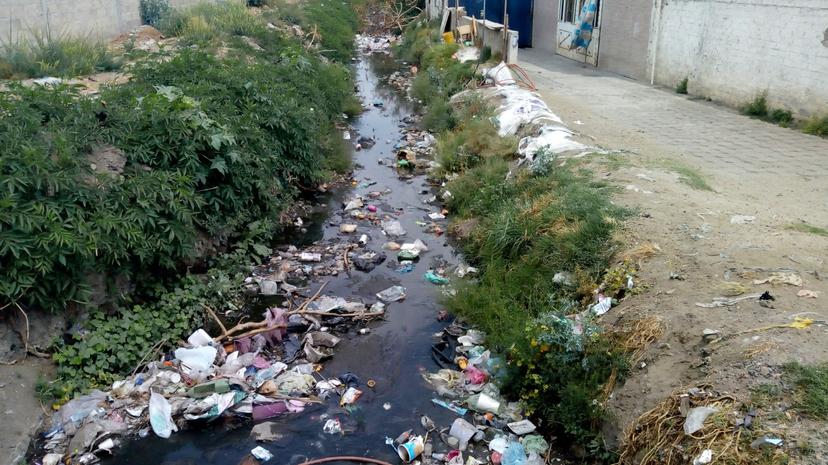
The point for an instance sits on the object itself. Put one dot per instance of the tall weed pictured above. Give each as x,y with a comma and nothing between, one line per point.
60,56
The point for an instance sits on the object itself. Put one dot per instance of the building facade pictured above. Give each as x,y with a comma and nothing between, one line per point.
729,50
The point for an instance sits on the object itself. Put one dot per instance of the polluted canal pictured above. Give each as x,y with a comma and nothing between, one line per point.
349,386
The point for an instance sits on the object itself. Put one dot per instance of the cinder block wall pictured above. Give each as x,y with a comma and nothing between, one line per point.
99,19
20,19
624,37
545,25
732,50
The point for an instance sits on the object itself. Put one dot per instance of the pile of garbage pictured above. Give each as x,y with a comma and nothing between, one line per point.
376,44
487,428
521,112
255,370
400,80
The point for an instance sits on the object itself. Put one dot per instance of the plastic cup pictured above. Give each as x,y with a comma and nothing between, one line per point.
411,449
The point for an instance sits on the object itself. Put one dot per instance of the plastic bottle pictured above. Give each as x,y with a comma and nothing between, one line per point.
483,403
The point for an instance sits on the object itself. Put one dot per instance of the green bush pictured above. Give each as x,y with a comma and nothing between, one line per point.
332,23
758,107
211,145
152,11
817,126
781,117
60,56
681,88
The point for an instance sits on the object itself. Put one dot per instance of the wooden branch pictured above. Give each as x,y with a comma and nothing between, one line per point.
216,318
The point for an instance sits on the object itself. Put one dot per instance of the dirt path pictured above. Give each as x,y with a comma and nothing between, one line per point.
677,148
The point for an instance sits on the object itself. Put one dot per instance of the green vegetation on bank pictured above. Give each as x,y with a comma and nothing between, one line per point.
807,228
522,227
816,125
213,148
811,384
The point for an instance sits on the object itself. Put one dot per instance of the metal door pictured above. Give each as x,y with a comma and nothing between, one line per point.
569,15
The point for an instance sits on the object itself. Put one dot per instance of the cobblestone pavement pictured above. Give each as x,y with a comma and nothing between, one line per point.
639,117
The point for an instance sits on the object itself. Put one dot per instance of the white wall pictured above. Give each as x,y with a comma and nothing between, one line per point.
19,19
99,19
545,25
730,50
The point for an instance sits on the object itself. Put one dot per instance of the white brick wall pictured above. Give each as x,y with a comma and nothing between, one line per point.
545,25
100,19
730,50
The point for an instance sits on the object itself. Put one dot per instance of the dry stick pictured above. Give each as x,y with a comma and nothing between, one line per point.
25,337
216,318
345,258
314,297
149,354
259,331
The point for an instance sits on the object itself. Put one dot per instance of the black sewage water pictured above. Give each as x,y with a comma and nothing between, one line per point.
396,352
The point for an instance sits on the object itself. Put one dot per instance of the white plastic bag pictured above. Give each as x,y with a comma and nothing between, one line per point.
160,413
198,359
696,417
199,338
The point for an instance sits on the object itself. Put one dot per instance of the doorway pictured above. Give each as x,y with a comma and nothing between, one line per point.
569,13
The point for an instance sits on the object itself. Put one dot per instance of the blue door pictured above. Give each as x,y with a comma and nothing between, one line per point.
520,15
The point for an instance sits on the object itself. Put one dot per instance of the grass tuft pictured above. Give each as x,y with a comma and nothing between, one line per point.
681,87
811,382
758,107
687,175
807,228
817,126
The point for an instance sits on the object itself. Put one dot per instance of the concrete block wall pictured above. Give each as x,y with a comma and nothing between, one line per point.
20,19
624,37
98,19
545,25
731,50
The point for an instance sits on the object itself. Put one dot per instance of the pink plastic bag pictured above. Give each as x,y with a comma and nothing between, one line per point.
475,375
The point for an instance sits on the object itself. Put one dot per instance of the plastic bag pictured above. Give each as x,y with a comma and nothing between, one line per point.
696,417
514,454
198,359
160,414
393,228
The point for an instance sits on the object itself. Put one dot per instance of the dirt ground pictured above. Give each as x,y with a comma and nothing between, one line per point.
704,242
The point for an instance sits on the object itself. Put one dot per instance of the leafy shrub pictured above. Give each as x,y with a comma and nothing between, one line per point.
758,107
438,117
681,88
781,117
212,146
817,126
112,345
49,55
417,38
152,11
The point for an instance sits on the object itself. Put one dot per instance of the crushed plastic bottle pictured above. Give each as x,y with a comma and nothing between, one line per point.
392,294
